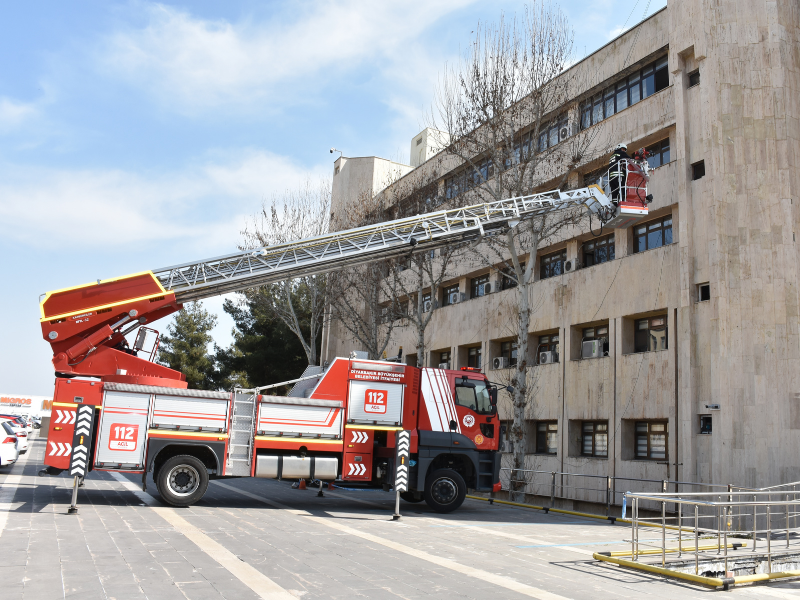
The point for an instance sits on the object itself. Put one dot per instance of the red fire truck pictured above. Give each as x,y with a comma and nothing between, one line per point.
338,423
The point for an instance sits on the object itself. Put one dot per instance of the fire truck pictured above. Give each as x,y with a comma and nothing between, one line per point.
338,423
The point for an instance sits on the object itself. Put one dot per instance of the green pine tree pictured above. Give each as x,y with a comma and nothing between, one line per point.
185,346
263,351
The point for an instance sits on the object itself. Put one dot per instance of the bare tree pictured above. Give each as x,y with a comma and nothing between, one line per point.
504,108
293,215
421,273
356,293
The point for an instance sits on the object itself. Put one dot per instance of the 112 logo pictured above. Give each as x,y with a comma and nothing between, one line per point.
123,437
375,402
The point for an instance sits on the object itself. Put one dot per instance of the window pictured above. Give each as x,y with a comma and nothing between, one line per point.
336,171
651,440
653,234
650,334
705,424
474,357
419,141
597,334
698,170
472,394
659,153
450,295
468,178
694,78
547,343
703,292
426,299
509,280
444,357
508,350
553,264
598,251
597,177
624,93
547,437
594,438
552,133
478,286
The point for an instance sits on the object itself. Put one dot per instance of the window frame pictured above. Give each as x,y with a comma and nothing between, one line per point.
476,353
608,242
592,333
546,260
704,287
663,227
619,93
509,350
647,345
595,432
446,291
648,434
550,344
659,149
544,429
475,282
694,74
442,357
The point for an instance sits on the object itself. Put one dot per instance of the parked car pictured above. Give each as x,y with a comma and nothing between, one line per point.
37,422
20,420
8,445
19,432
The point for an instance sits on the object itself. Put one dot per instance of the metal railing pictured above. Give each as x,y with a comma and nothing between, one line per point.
597,489
767,518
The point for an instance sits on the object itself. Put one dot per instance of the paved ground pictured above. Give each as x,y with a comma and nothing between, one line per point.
261,539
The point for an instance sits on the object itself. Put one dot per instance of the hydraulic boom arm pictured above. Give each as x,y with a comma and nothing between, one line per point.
86,325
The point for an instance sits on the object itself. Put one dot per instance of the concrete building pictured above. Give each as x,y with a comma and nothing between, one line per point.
696,312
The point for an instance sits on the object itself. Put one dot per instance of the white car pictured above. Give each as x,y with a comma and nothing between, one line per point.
19,420
20,433
8,445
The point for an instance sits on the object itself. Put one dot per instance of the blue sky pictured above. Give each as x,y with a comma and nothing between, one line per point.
135,135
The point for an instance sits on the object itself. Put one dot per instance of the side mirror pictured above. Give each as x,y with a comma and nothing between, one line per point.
509,389
493,396
453,425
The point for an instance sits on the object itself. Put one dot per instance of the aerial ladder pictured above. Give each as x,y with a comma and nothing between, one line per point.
84,324
87,325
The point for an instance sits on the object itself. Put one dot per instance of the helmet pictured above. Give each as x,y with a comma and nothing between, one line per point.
620,147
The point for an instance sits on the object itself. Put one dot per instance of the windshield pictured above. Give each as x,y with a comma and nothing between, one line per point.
473,395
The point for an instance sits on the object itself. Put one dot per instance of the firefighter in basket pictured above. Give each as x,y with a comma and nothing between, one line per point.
617,172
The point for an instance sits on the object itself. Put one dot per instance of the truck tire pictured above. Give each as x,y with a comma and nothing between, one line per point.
445,490
182,480
410,497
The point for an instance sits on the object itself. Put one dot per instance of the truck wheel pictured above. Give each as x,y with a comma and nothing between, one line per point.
410,497
182,480
445,490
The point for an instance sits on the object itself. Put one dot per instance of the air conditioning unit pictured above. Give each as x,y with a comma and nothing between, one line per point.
570,266
545,358
484,288
426,306
563,133
500,362
444,365
592,349
455,297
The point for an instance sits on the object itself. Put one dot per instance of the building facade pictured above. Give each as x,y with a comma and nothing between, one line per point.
669,350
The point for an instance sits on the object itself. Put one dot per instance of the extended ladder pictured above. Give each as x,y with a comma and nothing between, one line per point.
311,256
